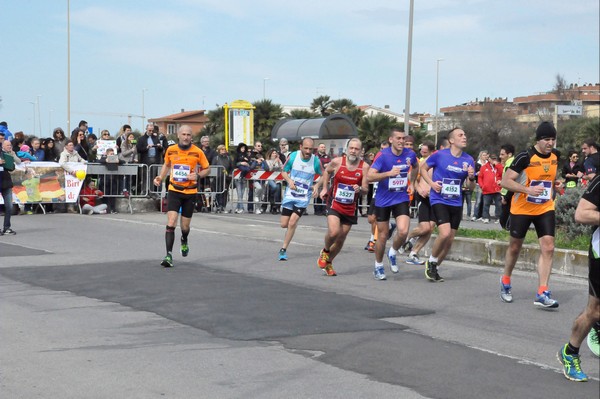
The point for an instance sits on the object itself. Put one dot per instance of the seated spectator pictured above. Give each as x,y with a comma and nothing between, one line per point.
88,196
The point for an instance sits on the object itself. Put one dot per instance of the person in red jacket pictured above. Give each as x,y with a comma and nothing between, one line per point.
489,178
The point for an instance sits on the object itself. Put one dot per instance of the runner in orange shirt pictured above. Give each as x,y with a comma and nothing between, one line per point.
186,164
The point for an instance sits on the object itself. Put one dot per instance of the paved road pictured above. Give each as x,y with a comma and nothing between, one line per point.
87,312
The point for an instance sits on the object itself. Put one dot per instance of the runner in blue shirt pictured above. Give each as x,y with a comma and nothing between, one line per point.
299,172
450,169
392,168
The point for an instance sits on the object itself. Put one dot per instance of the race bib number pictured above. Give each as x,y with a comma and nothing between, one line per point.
545,196
181,173
301,191
398,183
344,194
450,188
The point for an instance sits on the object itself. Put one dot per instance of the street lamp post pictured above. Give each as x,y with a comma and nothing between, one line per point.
437,90
265,88
143,114
68,66
33,103
39,115
408,69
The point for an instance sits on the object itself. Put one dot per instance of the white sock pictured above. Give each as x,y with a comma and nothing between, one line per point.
432,259
412,253
392,252
372,237
378,264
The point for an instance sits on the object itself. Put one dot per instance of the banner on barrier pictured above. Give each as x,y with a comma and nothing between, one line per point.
46,182
262,175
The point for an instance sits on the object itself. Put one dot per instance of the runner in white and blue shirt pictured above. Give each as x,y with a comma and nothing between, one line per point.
393,169
299,172
451,167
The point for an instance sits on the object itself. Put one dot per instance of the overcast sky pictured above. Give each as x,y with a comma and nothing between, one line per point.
194,54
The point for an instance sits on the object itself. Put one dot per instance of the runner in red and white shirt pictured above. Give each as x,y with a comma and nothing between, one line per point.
349,181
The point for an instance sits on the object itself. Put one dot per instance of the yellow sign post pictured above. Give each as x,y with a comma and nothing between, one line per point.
239,123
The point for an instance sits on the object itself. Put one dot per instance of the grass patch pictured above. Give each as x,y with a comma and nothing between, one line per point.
562,240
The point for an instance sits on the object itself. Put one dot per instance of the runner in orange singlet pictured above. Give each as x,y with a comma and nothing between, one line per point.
186,164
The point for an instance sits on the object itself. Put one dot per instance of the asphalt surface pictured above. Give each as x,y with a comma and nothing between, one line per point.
87,312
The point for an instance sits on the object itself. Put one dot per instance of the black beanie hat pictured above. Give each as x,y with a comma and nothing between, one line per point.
544,131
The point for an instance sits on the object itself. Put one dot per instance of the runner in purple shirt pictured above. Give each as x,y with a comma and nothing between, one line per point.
450,169
392,168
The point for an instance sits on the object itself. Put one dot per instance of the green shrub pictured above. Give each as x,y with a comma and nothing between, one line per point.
565,214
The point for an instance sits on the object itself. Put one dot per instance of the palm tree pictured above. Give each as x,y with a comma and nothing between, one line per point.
321,105
342,106
215,127
376,128
266,115
302,114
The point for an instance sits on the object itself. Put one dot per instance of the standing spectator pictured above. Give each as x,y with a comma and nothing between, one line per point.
592,159
409,142
18,141
507,156
92,143
572,170
324,158
489,178
478,211
122,135
81,145
128,154
37,151
243,163
4,129
7,162
205,147
255,187
150,151
275,165
81,127
50,153
69,155
223,175
284,150
60,140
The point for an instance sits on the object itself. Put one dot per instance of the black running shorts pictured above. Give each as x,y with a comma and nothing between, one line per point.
185,202
424,209
447,214
383,213
594,274
344,219
545,224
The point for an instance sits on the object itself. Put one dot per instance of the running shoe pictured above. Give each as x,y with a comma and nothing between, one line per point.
414,260
370,246
571,365
185,249
392,260
431,272
167,261
379,273
505,292
592,342
392,230
329,270
282,254
545,301
406,247
323,261
9,232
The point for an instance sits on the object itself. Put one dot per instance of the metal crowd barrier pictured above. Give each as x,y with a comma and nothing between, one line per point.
121,181
213,190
